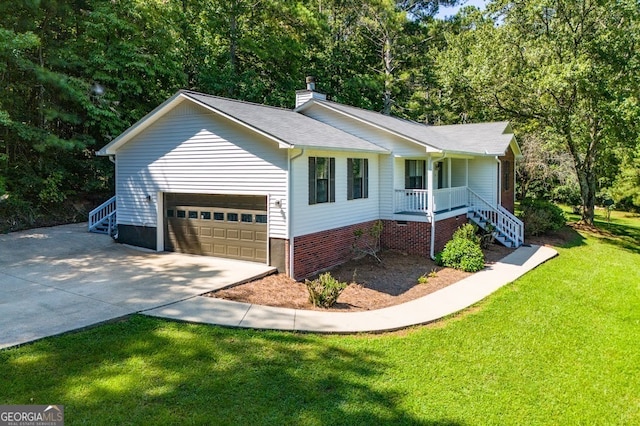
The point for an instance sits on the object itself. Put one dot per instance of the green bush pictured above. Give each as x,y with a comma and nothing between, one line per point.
540,216
324,290
468,231
463,254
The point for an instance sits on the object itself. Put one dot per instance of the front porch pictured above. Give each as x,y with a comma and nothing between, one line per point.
418,201
444,202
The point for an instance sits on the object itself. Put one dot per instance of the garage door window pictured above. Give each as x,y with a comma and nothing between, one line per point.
170,213
218,216
205,215
181,214
261,218
246,218
232,217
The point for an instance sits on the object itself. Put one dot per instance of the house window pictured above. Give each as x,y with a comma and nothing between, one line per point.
322,181
506,171
358,178
414,173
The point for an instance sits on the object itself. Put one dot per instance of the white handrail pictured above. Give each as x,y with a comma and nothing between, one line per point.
102,211
499,217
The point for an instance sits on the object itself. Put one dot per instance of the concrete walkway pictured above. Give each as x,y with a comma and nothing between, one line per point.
426,309
62,278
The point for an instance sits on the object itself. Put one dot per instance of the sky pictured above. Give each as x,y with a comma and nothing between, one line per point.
450,11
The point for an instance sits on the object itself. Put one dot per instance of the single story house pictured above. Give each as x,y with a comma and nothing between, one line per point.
213,176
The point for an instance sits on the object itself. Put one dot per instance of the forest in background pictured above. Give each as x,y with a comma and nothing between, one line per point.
75,74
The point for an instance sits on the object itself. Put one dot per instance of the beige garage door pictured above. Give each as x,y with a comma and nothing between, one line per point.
225,226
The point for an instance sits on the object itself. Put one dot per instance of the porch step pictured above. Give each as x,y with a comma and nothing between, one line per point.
102,219
500,236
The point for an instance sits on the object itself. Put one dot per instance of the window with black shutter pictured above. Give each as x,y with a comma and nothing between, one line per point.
322,182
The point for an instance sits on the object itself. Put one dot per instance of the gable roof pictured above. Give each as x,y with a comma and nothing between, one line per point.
286,127
476,139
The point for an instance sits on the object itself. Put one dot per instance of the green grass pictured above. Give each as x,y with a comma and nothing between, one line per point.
558,346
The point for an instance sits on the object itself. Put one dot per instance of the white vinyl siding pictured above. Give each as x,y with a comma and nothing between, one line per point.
458,172
386,186
307,219
191,150
483,178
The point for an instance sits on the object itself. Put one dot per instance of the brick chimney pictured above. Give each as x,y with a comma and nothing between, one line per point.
309,93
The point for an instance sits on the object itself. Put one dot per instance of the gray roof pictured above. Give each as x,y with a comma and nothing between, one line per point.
286,125
294,129
482,138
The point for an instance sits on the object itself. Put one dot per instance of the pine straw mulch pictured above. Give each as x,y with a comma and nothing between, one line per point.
372,285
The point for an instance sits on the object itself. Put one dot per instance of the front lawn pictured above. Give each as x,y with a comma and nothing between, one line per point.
559,346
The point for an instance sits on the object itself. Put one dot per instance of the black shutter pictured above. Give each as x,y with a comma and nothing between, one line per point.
407,177
350,178
332,180
365,178
312,180
424,174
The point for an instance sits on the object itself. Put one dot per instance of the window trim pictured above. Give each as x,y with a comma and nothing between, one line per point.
407,176
313,181
351,183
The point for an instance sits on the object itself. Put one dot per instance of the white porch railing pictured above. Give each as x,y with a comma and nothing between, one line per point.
450,198
411,201
417,200
509,229
102,218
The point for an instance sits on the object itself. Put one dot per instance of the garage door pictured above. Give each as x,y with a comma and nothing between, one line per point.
217,225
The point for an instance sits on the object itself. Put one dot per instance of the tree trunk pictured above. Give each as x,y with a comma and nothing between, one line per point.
587,183
585,170
387,60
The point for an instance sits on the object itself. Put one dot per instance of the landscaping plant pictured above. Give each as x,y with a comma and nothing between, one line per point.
463,250
367,241
324,290
541,216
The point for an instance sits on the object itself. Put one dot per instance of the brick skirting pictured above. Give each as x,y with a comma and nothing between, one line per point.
313,253
319,251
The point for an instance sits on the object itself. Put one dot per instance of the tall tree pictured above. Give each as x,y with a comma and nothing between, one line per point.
571,66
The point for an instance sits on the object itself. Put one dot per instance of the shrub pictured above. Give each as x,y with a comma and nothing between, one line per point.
463,254
540,216
324,290
468,231
367,241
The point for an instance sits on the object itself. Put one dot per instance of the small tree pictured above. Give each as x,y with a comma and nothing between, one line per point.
367,241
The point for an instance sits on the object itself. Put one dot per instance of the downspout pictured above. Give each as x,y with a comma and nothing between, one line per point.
433,236
290,210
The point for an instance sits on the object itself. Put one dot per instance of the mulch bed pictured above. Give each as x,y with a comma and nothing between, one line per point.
372,285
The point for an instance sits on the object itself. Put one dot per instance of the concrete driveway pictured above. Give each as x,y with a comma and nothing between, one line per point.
58,279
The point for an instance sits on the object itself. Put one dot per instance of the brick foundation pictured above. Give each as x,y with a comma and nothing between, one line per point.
445,229
410,237
319,251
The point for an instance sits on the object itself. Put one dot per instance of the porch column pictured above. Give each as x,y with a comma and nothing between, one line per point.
430,186
466,163
449,182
